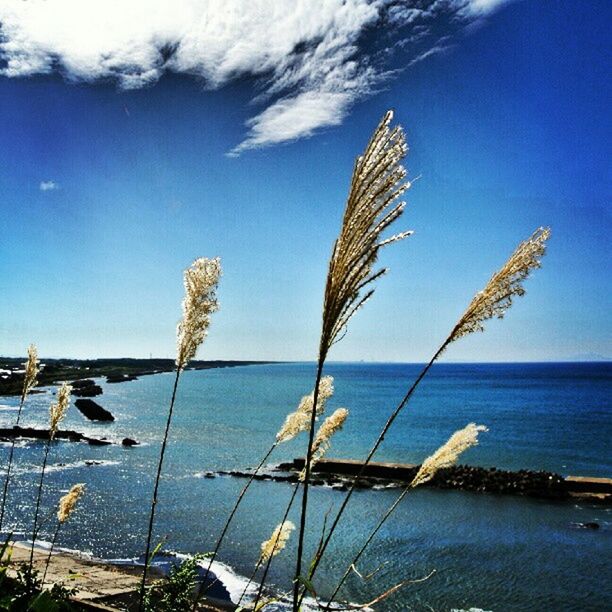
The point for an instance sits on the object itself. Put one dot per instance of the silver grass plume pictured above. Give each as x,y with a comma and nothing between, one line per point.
69,501
57,411
330,426
31,370
448,454
278,541
496,297
377,182
322,441
300,420
200,280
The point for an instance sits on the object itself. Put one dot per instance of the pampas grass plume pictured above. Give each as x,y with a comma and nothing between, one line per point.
377,182
448,454
200,280
322,441
496,297
278,540
57,412
69,501
301,419
31,370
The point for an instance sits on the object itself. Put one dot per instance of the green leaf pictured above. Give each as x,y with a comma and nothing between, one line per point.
44,602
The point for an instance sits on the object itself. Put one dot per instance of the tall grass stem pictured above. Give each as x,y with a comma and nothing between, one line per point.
302,529
10,463
38,498
155,491
373,450
228,522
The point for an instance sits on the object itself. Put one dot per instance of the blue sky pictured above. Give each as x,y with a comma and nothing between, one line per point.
116,173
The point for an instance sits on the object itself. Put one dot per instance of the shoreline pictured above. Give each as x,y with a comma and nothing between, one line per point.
125,369
104,584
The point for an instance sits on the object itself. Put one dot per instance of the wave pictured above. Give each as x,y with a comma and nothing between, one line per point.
232,582
61,467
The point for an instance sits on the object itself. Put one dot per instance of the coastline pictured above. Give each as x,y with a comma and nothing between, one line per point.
104,584
124,369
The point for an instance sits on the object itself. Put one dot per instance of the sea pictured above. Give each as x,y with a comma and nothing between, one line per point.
477,551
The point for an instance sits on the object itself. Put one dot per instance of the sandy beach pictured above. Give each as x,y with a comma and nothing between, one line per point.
100,585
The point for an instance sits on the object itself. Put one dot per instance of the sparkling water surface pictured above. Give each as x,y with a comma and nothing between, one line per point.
490,552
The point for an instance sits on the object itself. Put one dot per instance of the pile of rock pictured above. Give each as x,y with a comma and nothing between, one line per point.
491,480
85,388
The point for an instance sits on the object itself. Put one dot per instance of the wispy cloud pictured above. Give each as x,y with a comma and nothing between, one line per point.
312,63
48,186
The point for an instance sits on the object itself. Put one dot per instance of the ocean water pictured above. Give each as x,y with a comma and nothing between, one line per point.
489,552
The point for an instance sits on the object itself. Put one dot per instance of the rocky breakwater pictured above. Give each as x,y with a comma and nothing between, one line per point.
464,477
12,433
339,474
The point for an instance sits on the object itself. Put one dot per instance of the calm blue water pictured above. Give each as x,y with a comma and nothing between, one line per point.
489,552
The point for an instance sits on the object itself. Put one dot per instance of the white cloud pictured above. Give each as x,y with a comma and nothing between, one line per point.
48,186
309,57
484,6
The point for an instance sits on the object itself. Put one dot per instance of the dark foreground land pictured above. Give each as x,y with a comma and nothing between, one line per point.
54,371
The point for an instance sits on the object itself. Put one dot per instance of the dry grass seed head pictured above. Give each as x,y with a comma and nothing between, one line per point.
68,502
278,540
496,297
300,420
377,182
31,370
200,280
448,454
57,412
322,441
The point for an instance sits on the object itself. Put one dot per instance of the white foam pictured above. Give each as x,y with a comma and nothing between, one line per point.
69,466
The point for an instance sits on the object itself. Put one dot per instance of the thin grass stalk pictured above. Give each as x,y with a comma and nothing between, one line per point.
53,541
373,450
445,456
155,491
228,522
66,506
269,561
248,584
38,498
293,425
302,530
29,381
493,301
376,183
10,464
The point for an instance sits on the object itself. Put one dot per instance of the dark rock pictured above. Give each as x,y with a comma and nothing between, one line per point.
119,378
129,442
85,388
43,434
93,411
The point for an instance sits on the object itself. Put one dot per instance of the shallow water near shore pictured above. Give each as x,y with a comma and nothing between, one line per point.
489,552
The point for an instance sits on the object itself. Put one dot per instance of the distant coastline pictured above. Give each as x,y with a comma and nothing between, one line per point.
117,370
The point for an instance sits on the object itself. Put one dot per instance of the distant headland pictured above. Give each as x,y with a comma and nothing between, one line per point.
54,371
